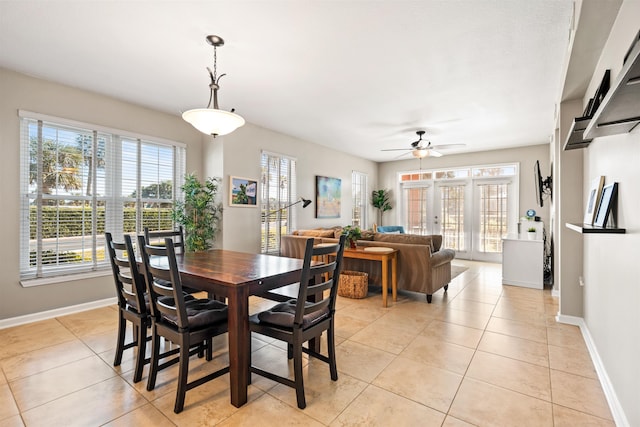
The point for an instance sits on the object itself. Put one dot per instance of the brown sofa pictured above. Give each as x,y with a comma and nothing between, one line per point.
422,265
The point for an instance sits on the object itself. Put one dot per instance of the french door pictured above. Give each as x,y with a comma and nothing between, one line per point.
472,215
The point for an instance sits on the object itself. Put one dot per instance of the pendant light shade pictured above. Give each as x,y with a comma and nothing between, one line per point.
212,120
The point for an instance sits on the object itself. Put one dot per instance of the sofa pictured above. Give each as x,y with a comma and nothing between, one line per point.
423,266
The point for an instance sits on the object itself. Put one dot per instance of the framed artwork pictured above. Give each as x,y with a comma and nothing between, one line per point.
607,203
593,200
328,194
243,191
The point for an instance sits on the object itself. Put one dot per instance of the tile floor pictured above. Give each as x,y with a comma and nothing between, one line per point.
481,355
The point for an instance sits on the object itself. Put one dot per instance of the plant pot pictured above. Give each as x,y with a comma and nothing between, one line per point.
353,244
531,235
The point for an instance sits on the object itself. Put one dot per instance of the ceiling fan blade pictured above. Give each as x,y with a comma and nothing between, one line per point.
434,153
446,146
397,149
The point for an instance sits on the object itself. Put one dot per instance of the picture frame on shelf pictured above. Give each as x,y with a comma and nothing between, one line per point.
608,201
600,93
593,200
243,192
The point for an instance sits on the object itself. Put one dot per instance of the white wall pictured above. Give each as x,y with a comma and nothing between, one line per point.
27,93
611,272
241,151
525,156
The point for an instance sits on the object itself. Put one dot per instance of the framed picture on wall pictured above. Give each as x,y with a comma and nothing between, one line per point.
243,191
328,194
593,200
607,203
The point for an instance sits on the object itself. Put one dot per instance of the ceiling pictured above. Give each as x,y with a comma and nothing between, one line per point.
357,76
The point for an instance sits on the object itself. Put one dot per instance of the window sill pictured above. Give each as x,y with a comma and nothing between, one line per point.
28,283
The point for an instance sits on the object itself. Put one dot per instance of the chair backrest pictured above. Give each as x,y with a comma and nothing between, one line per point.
317,279
391,229
157,237
163,282
130,285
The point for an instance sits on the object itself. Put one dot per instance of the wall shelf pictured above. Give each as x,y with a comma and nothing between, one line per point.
619,111
575,138
592,229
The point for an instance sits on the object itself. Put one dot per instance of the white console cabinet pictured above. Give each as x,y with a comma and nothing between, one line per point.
523,262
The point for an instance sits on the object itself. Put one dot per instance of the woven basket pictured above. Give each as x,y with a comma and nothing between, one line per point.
353,284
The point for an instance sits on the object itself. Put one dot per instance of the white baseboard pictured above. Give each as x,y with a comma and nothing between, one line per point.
617,412
49,314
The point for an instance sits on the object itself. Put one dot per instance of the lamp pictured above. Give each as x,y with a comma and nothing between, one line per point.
212,120
305,203
420,153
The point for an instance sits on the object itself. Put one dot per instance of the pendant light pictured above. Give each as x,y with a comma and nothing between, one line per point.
212,120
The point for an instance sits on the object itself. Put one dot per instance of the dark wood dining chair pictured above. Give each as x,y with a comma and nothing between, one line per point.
305,317
132,306
156,237
184,320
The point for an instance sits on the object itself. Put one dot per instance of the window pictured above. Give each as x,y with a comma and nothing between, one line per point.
80,180
359,195
278,187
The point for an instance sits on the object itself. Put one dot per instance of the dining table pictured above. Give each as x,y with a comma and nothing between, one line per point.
237,276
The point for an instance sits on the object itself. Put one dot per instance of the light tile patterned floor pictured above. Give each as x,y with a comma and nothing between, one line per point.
482,354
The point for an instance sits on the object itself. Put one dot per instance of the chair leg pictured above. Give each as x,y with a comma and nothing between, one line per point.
183,372
122,330
155,355
331,348
297,372
141,350
209,349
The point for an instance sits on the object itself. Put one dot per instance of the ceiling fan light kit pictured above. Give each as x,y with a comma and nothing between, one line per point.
212,120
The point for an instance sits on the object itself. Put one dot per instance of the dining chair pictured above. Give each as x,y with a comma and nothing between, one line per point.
184,320
132,306
156,237
306,317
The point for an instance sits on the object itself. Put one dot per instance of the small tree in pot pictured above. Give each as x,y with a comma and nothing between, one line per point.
380,201
199,213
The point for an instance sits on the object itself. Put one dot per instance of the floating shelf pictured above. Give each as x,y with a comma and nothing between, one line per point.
619,111
592,229
575,139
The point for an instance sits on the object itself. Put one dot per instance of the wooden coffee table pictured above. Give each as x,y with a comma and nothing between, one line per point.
383,255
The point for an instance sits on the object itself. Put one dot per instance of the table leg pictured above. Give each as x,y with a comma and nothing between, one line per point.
385,280
394,277
239,345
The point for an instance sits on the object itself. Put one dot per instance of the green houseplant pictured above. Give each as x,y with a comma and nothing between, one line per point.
199,213
353,234
380,201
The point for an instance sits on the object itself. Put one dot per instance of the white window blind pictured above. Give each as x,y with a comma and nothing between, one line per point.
359,195
278,190
80,180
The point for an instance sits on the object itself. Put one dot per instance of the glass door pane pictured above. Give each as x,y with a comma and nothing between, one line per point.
452,223
418,210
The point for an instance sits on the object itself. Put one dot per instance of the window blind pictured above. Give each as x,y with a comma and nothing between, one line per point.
278,190
78,181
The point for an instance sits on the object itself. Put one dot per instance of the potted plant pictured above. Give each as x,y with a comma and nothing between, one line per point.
353,234
199,213
531,233
380,201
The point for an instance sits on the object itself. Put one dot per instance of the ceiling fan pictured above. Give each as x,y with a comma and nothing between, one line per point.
423,148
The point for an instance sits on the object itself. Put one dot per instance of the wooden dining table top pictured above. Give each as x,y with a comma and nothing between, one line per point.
224,268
